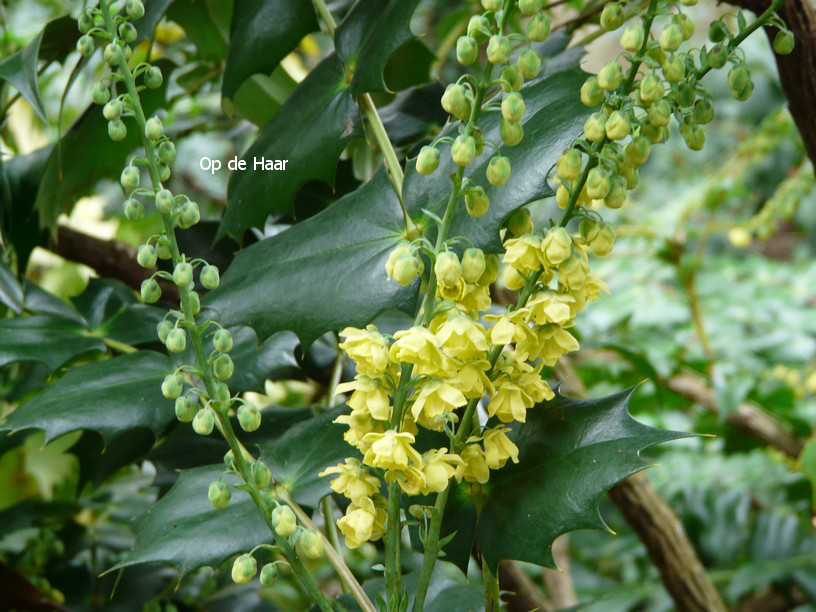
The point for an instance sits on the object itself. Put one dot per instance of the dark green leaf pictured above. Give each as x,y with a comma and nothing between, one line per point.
310,131
11,293
51,340
448,590
254,364
206,25
409,66
807,463
154,12
414,114
263,32
107,397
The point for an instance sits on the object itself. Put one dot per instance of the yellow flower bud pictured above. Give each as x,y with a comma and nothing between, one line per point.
491,273
511,133
513,107
463,150
556,246
447,268
476,201
595,127
603,241
617,126
633,37
473,265
568,165
520,223
598,183
591,92
610,77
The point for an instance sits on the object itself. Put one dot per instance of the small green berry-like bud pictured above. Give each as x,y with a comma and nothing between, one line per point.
718,31
164,173
183,274
405,269
85,22
498,170
222,341
117,130
463,150
129,178
476,201
612,17
498,49
529,63
427,160
153,77
195,302
176,340
185,409
739,77
85,46
172,386
261,475
492,5
146,256
783,42
151,292
310,544
454,100
659,114
685,94
617,126
530,7
269,574
284,521
223,367
694,136
513,107
617,192
479,28
244,567
127,32
655,133
717,56
210,279
167,152
703,111
135,9
588,228
595,127
204,422
112,110
674,69
165,202
651,89
163,250
591,92
222,392
112,54
473,264
539,27
520,222
633,37
511,133
491,273
249,417
467,50
164,328
610,77
637,151
603,241
562,196
100,93
568,165
154,129
598,184
134,209
671,38
219,494
189,215
448,269
685,24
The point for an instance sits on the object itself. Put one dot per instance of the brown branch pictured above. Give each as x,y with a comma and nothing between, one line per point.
520,593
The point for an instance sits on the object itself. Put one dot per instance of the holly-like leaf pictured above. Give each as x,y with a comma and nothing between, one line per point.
263,32
255,363
371,32
11,293
47,339
310,131
108,397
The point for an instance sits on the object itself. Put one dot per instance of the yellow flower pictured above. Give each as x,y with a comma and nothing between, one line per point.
353,480
436,398
498,447
419,346
550,307
573,271
553,341
439,468
390,449
477,298
523,253
454,292
472,380
510,402
535,386
364,521
368,396
474,465
590,291
410,479
513,280
360,424
509,327
462,337
556,246
367,348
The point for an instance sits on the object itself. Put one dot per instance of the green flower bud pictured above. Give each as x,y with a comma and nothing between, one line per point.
117,130
612,17
671,38
718,31
204,422
603,241
176,340
189,215
591,92
688,2
498,49
167,152
529,63
448,269
222,341
595,127
651,89
165,202
310,544
539,27
463,150
185,409
657,54
617,126
222,392
154,129
455,101
85,46
209,277
659,114
135,9
473,265
492,5
633,37
467,50
598,183
127,32
530,7
686,25
656,134
406,268
219,494
153,77
249,417
261,475
685,94
511,133
100,93
129,178
476,201
151,292
674,69
163,250
694,136
244,567
112,110
617,192
717,56
562,196
183,274
85,21
112,54
164,328
223,367
479,28
195,302
739,77
511,78
588,228
164,173
520,222
783,42
743,93
568,166
146,256
703,112
172,386
269,574
513,107
636,153
610,77
498,170
284,521
491,273
428,160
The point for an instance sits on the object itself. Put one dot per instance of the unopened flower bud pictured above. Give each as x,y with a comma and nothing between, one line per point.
454,100
112,54
150,290
612,16
406,268
189,215
448,269
154,128
85,46
685,94
163,250
85,21
165,202
556,246
463,150
530,7
146,256
209,277
513,107
703,111
261,475
467,50
595,127
498,49
222,341
637,151
167,152
598,183
511,133
520,222
176,340
244,567
671,38
651,89
172,386
659,114
498,170
223,367
185,409
617,191
195,302
617,126
222,392
134,9
568,165
562,196
162,329
511,78
310,544
249,417
284,521
633,37
269,574
473,265
603,241
100,93
718,31
491,5
610,77
591,92
476,201
717,56
204,422
491,273
674,69
783,42
539,27
479,28
183,274
529,63
738,77
427,160
219,494
112,110
694,136
588,228
153,77
127,31
117,130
